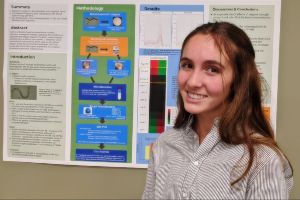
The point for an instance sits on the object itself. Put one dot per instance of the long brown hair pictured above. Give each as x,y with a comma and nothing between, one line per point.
244,114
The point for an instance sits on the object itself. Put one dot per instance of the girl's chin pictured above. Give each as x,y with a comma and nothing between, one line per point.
193,110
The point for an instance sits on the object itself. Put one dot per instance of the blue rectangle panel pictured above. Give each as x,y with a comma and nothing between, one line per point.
107,92
105,21
106,134
101,155
102,112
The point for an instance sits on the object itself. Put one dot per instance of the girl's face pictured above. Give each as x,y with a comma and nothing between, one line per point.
204,77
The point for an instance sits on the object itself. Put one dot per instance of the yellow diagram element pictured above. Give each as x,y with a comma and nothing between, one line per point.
267,112
147,152
104,46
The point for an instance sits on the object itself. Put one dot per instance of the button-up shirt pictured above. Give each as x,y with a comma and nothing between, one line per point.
181,168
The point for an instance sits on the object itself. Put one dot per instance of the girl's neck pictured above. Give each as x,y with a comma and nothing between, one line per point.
202,126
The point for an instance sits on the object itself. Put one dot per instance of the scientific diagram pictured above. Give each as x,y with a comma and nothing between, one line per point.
103,77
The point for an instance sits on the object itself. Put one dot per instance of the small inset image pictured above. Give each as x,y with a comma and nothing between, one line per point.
23,92
86,64
116,50
91,49
119,94
87,110
91,21
117,21
118,66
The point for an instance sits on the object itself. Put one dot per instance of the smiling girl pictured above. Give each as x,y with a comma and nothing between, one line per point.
222,146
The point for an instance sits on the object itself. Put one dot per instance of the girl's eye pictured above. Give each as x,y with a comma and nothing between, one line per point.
213,70
186,66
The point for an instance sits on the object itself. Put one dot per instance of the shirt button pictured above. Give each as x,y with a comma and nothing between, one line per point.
196,162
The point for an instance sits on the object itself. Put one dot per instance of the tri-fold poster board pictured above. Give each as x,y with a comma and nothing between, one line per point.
95,82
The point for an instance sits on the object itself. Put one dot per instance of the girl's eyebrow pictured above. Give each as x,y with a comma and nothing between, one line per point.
207,62
184,59
213,62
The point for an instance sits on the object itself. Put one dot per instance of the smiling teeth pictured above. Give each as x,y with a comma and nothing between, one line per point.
195,96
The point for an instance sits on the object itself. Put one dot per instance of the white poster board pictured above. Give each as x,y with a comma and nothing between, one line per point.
81,78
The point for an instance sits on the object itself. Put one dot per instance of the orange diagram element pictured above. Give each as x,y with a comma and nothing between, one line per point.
104,46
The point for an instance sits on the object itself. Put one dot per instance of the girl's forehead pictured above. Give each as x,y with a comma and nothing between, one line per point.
205,45
201,43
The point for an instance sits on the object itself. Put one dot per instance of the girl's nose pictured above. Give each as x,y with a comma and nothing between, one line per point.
196,79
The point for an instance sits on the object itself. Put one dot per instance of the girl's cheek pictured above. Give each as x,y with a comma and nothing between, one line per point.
181,78
216,87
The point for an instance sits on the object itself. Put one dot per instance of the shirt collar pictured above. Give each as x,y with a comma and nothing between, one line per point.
191,137
189,129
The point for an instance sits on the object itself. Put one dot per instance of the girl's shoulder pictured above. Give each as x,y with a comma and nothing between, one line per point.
267,158
170,135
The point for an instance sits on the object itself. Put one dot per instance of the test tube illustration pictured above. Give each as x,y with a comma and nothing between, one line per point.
119,95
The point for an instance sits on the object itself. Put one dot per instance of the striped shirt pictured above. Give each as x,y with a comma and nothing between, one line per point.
181,168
